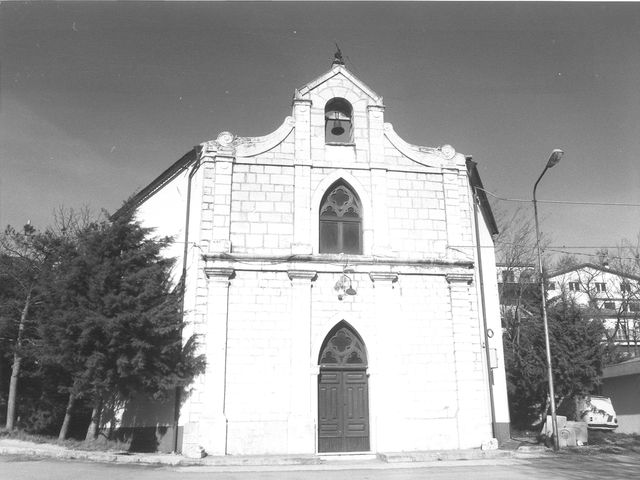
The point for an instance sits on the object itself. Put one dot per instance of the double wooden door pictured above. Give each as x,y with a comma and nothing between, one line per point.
343,410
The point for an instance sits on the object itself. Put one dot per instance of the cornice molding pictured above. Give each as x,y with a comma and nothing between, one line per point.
459,278
335,71
390,277
302,275
430,157
229,145
219,273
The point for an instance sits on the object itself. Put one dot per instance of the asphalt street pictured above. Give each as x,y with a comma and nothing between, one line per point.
561,467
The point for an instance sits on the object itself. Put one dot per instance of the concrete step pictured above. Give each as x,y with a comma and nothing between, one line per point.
443,455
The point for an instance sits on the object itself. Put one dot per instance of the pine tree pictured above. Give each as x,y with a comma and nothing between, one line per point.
116,325
577,352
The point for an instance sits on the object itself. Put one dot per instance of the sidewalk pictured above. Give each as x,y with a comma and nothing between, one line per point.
275,462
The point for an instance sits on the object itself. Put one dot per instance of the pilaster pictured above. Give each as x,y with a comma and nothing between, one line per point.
379,214
375,117
212,435
300,423
471,419
302,178
453,203
383,412
220,155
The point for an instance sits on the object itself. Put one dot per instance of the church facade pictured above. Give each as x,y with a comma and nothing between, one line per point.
341,282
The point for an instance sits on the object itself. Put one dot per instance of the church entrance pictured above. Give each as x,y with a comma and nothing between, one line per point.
343,396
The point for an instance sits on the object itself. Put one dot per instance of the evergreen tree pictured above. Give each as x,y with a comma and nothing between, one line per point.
116,325
577,353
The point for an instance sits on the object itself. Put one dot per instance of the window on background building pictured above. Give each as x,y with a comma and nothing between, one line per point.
574,286
609,305
526,276
340,221
634,306
338,121
625,287
508,276
600,287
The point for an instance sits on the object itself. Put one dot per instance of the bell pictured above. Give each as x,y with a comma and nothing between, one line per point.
337,128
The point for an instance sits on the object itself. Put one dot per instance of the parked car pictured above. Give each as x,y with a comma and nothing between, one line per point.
598,413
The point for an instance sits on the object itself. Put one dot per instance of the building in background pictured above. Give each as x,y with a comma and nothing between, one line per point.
621,383
612,296
342,283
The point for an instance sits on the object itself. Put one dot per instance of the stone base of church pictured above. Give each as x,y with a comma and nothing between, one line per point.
208,435
297,435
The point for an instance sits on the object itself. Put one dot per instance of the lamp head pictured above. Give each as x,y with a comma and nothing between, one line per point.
555,157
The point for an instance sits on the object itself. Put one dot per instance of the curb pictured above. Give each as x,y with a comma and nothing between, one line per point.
273,460
444,455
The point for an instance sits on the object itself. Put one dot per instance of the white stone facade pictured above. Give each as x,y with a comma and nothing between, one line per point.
262,296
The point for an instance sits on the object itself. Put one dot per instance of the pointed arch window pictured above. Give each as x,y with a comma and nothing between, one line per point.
343,347
340,220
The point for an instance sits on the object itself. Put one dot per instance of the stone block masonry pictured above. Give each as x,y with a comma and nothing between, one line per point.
264,297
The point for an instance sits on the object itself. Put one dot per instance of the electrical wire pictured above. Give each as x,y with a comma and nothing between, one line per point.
561,202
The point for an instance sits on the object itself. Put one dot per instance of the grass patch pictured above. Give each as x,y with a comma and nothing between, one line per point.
100,444
615,441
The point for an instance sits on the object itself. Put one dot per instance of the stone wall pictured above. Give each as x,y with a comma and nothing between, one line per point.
262,299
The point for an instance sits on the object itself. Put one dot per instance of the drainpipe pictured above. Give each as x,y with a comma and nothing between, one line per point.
187,217
487,351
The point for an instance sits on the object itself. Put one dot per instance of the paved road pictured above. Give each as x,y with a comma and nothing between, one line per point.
563,467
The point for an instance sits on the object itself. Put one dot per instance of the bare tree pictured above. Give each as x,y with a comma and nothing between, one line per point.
21,266
70,221
517,258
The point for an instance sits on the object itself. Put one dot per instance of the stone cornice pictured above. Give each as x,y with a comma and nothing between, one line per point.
430,157
322,264
221,273
375,108
302,101
383,277
459,278
328,258
302,275
335,71
228,145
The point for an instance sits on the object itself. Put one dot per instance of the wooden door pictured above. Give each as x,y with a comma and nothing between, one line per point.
343,397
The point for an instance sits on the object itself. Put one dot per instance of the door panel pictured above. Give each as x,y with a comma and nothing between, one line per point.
343,411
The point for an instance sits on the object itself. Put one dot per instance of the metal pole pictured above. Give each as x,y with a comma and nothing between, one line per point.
483,302
552,401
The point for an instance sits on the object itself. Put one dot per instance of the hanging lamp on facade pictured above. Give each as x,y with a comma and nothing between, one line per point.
344,287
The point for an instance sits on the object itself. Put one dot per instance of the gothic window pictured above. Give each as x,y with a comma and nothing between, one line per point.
340,221
338,124
343,347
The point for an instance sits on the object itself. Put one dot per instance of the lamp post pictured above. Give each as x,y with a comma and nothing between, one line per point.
555,157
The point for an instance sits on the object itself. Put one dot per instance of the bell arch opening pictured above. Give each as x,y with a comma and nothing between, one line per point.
338,121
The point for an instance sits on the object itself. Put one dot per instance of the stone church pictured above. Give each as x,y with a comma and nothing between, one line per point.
341,281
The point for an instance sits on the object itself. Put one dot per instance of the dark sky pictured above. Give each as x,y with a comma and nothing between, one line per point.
97,99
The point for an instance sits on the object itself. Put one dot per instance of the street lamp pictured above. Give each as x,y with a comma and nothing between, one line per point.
555,157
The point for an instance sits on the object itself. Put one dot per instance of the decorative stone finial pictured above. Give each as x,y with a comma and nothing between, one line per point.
225,139
447,151
337,57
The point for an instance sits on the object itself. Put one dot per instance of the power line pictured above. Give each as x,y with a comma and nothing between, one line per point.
562,202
